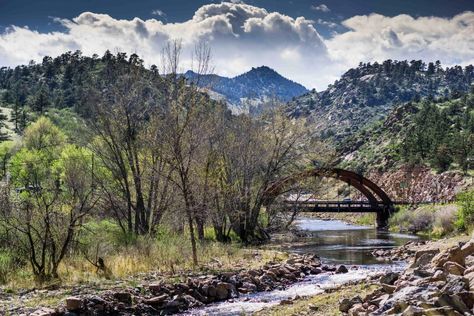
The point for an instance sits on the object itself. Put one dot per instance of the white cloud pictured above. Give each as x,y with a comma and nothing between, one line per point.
377,37
244,36
158,12
327,23
241,36
322,7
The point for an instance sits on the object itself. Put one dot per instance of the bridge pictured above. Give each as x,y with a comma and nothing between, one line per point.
377,200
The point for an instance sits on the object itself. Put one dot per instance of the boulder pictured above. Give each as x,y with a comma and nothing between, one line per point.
389,278
453,268
248,287
346,304
422,261
468,248
155,287
453,254
74,303
223,290
388,288
341,269
453,301
357,310
123,297
157,300
469,278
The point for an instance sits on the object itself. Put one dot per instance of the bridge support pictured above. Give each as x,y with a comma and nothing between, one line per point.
382,219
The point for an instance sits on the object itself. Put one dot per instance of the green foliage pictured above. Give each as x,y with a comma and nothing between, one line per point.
441,134
7,265
433,220
465,202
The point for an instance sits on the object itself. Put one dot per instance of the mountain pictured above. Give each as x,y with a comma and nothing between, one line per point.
366,94
251,91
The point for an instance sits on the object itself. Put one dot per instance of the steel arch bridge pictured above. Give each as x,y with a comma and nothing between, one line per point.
377,200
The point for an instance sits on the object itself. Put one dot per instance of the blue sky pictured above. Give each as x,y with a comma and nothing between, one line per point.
309,41
37,14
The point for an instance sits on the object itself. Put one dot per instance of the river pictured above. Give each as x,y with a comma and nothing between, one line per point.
335,242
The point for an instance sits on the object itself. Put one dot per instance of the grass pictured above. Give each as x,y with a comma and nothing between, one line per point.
326,304
129,259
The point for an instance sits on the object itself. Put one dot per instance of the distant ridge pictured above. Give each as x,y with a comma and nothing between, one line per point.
251,91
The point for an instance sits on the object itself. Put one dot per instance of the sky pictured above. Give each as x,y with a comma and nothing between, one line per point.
309,41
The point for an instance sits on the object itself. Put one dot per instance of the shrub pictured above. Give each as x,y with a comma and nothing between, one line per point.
465,202
6,265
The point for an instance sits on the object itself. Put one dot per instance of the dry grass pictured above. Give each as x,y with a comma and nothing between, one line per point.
163,259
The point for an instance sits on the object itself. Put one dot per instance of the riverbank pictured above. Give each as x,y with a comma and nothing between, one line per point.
447,263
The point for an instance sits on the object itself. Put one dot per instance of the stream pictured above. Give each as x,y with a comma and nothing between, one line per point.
335,242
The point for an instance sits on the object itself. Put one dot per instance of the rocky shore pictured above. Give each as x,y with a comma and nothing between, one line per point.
437,282
166,298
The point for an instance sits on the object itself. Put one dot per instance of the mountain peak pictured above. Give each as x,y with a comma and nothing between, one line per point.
262,71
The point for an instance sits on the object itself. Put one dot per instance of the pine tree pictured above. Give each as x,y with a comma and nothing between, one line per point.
3,133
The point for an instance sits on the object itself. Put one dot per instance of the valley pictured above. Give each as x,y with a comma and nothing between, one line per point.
128,191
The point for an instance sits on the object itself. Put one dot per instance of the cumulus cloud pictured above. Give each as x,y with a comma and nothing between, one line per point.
322,7
243,36
376,37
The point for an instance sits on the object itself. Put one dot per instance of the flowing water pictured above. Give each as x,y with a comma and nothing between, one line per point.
336,243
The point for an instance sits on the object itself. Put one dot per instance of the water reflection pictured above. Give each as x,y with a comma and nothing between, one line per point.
338,242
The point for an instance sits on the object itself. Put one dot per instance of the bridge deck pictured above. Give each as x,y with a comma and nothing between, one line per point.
336,206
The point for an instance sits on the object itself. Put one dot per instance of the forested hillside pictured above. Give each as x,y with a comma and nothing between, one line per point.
438,133
366,94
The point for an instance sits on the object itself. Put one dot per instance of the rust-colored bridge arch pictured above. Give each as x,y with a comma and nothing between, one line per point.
377,198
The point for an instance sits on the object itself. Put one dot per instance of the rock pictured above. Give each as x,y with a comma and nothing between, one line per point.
155,287
248,287
74,303
422,261
357,310
468,248
430,252
124,297
157,300
313,307
439,276
388,288
223,290
453,268
346,304
467,298
341,269
389,278
286,302
453,301
455,284
469,269
412,311
441,311
454,254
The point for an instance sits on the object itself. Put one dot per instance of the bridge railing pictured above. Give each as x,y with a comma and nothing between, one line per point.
340,205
